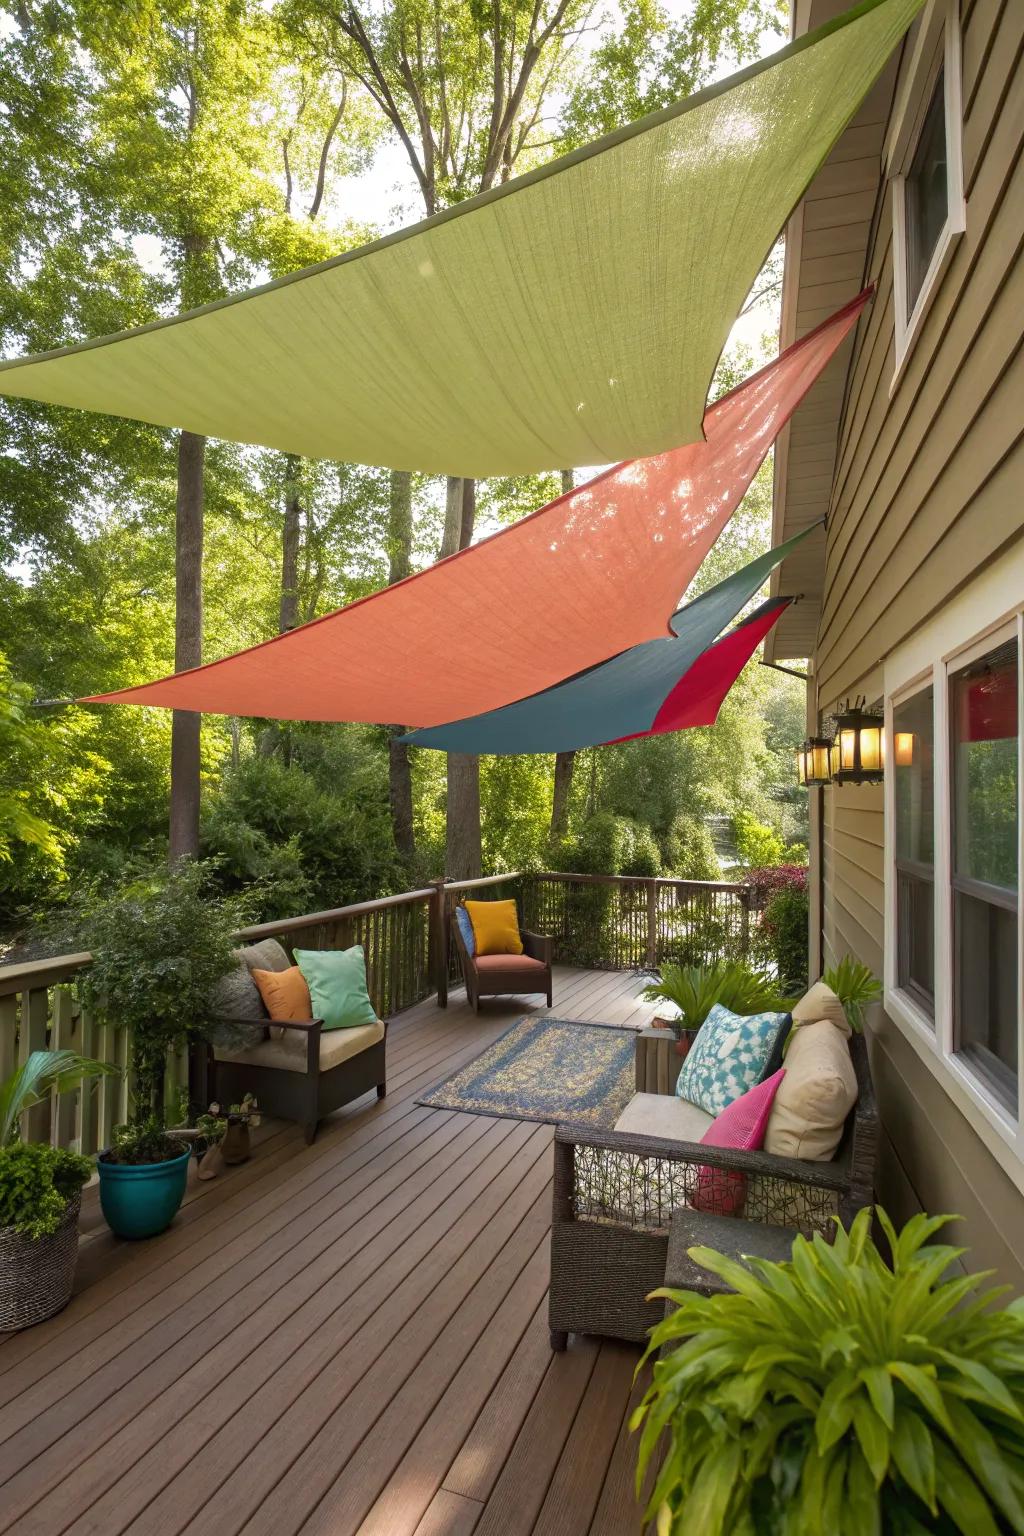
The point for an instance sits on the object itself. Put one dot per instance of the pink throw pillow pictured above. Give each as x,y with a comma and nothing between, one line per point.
742,1125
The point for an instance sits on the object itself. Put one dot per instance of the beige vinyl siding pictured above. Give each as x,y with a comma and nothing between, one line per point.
926,486
931,1158
927,489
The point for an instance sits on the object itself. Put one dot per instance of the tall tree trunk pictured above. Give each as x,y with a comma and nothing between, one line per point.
462,811
450,539
188,644
465,856
400,564
468,513
565,762
291,537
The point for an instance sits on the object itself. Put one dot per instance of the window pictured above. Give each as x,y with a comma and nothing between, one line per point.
913,728
926,195
984,799
924,154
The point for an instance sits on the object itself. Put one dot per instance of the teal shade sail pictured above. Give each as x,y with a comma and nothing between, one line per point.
618,698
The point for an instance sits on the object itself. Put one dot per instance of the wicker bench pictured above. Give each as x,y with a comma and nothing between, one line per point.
615,1194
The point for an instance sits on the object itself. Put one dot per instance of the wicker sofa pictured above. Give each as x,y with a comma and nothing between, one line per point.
614,1194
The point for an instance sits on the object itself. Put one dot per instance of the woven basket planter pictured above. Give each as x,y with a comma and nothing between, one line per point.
36,1274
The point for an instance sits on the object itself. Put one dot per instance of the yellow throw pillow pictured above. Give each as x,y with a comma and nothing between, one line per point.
495,927
815,1096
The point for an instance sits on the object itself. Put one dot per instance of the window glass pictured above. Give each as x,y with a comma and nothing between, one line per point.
913,759
984,744
926,195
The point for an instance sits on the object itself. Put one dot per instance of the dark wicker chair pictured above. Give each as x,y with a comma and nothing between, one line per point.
614,1195
506,975
304,1078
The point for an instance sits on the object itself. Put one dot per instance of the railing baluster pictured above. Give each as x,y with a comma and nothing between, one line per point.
35,1010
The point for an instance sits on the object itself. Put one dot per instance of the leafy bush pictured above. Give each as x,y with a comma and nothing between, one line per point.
780,877
696,989
838,1393
303,847
36,1183
641,855
781,939
855,985
689,850
159,946
757,846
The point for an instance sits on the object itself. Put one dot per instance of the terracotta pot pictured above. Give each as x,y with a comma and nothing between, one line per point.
682,1044
234,1145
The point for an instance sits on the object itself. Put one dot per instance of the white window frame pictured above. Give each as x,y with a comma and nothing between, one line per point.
936,47
989,609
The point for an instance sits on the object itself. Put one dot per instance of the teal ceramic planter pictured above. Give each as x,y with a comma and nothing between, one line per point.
142,1200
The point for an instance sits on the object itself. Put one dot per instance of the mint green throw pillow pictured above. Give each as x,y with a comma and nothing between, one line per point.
336,979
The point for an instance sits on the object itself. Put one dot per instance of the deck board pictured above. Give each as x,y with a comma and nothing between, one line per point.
347,1339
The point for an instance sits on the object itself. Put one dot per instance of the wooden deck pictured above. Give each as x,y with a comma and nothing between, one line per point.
349,1337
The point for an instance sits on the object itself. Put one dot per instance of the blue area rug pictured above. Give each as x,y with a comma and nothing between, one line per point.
546,1069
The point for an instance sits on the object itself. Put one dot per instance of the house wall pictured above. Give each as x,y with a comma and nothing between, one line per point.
928,489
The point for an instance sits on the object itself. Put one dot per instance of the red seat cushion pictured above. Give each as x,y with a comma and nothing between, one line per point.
525,964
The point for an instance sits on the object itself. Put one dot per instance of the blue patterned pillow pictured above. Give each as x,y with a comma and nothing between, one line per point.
728,1057
464,921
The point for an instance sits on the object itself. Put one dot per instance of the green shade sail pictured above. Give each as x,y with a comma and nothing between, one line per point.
573,316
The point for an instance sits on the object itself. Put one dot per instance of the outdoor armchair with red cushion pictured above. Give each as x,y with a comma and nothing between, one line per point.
506,975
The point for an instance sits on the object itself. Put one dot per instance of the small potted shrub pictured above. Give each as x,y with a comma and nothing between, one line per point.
40,1194
695,989
839,1394
159,948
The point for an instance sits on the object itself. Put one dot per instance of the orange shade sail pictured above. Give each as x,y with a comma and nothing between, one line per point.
591,574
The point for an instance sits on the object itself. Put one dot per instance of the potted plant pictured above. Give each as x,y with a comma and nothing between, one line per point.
695,989
40,1193
841,1392
159,948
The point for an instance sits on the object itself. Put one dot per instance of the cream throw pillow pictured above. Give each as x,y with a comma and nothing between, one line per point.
820,1003
815,1096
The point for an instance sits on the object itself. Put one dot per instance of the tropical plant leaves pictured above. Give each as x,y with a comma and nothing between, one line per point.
838,1393
44,1072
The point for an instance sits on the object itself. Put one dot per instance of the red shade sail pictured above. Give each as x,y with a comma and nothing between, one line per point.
595,572
700,692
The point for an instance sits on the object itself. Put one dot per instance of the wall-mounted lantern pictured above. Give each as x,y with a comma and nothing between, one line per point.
814,761
860,739
854,754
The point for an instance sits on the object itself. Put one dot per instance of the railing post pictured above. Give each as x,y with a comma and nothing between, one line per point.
439,940
745,921
652,924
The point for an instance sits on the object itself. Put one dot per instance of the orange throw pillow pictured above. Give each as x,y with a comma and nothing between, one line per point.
285,993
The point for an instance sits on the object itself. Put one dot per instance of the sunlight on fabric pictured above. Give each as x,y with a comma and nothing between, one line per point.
592,574
574,316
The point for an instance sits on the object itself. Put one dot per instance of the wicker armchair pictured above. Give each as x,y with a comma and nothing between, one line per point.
614,1194
506,975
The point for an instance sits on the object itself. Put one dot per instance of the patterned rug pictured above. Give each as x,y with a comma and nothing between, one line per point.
546,1069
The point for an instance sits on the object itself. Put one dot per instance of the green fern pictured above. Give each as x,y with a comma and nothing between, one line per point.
695,989
855,985
837,1395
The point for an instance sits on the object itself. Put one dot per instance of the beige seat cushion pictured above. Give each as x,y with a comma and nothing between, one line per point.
289,1053
815,1096
820,1003
664,1115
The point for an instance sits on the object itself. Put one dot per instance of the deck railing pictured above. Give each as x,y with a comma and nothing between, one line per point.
609,922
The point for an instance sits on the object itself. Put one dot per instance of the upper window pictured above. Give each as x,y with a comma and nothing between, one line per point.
926,195
984,744
925,156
